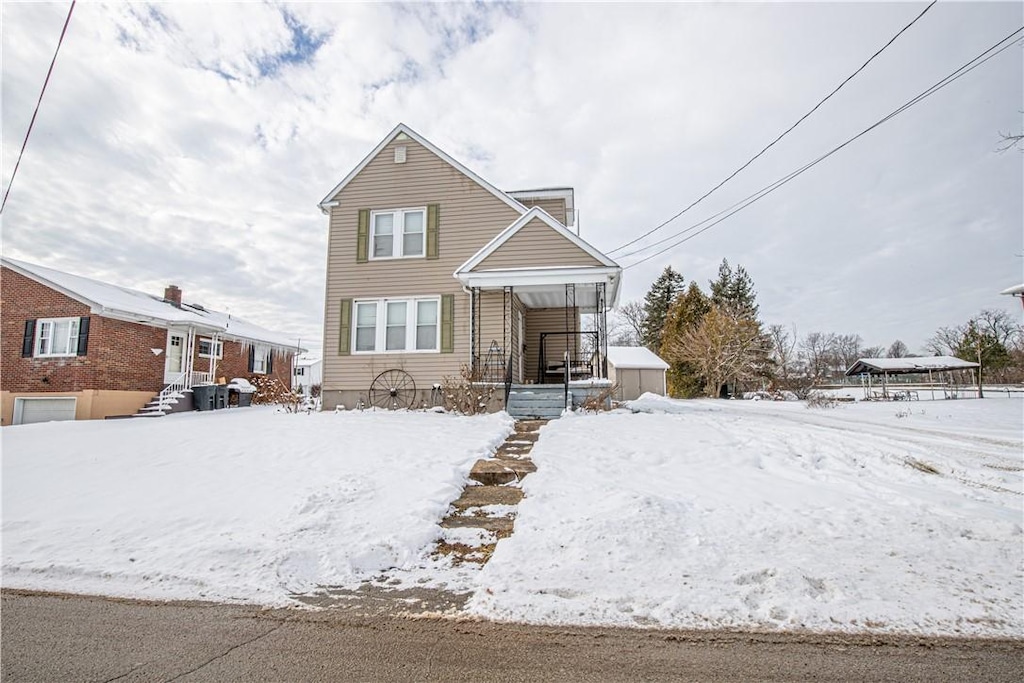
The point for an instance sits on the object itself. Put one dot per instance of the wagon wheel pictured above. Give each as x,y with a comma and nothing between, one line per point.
393,389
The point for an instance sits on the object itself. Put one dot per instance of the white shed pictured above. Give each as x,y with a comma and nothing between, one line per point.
636,370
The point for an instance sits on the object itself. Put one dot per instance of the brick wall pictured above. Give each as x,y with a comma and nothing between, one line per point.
235,363
118,356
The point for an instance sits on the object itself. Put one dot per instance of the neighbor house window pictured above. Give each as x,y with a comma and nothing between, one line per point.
209,348
392,325
259,360
398,233
57,337
299,372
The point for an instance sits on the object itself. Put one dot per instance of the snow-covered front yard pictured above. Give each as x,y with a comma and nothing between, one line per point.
885,517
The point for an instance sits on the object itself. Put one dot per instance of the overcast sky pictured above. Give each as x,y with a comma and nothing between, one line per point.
191,143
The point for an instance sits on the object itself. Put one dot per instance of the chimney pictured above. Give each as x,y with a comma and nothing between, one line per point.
172,295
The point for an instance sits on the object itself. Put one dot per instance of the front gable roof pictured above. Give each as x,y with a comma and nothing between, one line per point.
533,217
402,129
131,305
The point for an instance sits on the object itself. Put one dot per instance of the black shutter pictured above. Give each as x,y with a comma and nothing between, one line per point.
270,362
83,336
252,357
29,340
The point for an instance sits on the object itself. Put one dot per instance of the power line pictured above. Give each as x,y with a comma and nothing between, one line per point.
969,66
782,135
38,102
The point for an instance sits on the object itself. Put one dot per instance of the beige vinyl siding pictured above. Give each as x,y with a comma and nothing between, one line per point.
537,244
470,217
492,327
546,320
555,206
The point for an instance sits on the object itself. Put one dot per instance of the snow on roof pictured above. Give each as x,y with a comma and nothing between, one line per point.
308,359
121,302
908,365
1016,290
635,357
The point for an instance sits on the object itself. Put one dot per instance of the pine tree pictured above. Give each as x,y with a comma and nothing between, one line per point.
733,292
656,304
684,316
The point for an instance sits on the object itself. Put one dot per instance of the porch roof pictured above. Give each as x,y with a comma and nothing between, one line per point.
545,287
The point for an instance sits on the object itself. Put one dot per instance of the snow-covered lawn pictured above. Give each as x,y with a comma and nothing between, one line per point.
886,517
239,505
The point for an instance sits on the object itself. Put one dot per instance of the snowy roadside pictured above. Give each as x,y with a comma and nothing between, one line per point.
742,514
240,506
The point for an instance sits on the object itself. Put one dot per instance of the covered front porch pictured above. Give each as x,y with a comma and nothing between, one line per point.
545,326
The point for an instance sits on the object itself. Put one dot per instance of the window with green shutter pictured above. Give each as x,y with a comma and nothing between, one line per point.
345,328
447,323
363,236
433,228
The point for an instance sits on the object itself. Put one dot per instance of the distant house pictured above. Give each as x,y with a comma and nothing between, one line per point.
309,371
77,348
432,270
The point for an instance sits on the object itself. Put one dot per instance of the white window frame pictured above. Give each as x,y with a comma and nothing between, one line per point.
260,359
397,233
380,328
218,345
71,339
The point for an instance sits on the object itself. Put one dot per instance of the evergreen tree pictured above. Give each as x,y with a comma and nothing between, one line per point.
684,316
733,292
656,304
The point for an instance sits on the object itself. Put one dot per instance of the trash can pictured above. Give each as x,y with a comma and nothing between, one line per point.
204,396
221,396
244,399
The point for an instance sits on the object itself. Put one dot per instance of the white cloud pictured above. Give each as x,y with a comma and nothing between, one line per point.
168,150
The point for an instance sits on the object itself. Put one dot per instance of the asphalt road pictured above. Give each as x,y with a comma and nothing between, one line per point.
75,638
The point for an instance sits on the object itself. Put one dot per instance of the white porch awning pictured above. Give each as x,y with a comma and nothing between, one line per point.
545,287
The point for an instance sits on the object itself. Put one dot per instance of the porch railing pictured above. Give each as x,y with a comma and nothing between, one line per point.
578,365
566,396
508,379
201,378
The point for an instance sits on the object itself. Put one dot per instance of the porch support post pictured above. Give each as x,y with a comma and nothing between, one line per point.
474,361
213,357
602,330
190,350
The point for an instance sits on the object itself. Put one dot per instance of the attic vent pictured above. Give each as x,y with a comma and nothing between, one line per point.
400,154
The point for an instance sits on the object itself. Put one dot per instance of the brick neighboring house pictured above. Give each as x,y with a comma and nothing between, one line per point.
76,348
432,269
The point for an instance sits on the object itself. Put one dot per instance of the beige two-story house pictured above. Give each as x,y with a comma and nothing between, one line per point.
432,270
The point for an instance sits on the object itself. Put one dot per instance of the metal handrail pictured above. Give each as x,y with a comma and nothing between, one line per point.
565,396
175,386
508,379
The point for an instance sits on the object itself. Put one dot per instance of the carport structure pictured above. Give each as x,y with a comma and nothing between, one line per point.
942,372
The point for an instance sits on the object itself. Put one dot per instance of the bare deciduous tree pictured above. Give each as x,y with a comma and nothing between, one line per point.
816,347
783,349
898,350
721,348
628,326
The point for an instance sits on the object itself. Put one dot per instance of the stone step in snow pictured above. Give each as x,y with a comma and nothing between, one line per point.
492,473
478,496
498,525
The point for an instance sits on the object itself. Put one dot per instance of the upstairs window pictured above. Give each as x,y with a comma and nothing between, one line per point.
398,233
261,360
57,337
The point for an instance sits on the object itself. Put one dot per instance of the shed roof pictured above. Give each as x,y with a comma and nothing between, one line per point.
906,366
130,304
635,357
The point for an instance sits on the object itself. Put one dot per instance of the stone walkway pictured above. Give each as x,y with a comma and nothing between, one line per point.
478,519
488,501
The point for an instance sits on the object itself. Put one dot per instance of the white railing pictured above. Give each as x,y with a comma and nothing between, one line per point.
176,386
201,378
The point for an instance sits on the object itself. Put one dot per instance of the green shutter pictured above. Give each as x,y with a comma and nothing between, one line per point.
345,328
447,323
433,222
363,236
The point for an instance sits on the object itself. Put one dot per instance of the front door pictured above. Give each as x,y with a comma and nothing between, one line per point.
175,355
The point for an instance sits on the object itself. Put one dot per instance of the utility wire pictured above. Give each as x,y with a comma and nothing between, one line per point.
782,135
969,66
38,102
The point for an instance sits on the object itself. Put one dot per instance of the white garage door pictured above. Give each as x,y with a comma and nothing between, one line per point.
29,410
